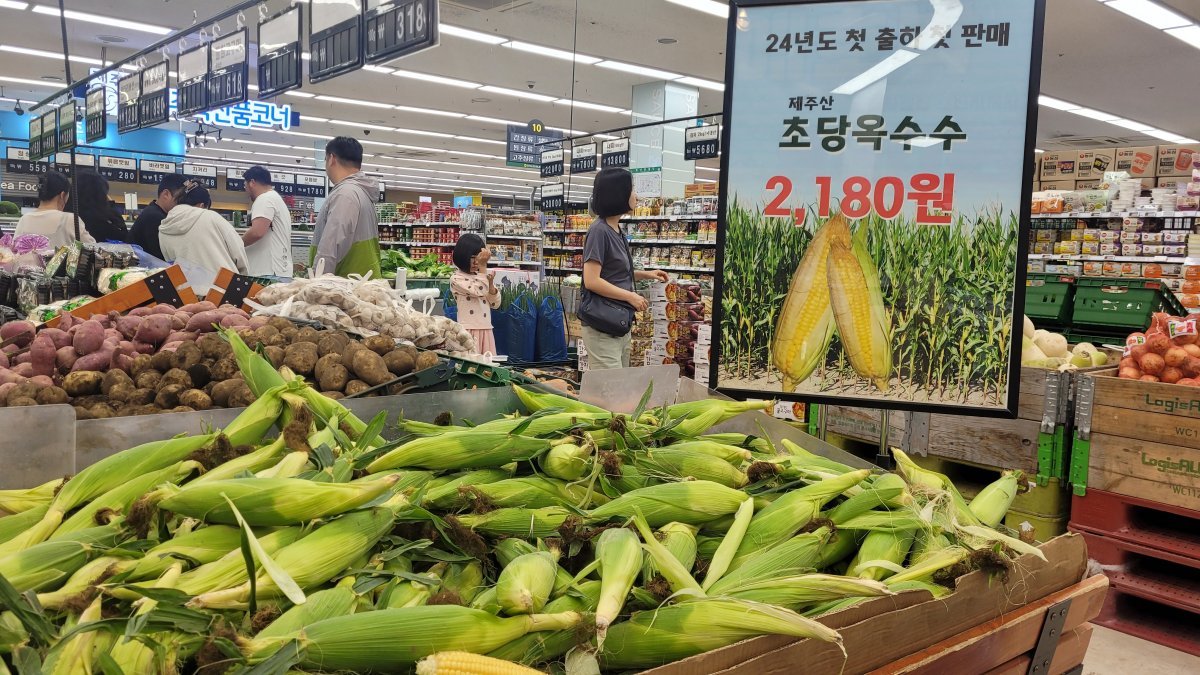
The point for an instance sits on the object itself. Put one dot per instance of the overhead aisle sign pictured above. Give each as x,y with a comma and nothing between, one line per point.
118,169
152,172
701,142
527,142
882,147
285,183
616,153
129,90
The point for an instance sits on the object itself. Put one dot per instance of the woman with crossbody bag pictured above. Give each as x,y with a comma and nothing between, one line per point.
608,302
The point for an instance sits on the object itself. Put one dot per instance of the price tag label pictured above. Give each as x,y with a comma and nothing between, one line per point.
702,142
96,115
616,153
552,163
310,186
227,70
279,53
553,197
583,158
151,172
118,169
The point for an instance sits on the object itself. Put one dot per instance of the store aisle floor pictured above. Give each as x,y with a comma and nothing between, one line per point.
1114,653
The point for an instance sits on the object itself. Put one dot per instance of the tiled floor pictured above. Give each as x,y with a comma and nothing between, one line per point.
1115,653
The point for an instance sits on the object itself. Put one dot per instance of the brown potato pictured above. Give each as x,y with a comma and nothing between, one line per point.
279,323
356,386
369,367
82,383
213,346
176,376
82,413
268,331
398,362
290,333
275,355
195,399
332,343
21,402
149,379
335,395
121,392
225,369
168,395
201,375
308,334
162,361
101,411
380,344
141,364
142,396
426,360
301,358
113,378
186,356
241,397
334,378
52,395
222,391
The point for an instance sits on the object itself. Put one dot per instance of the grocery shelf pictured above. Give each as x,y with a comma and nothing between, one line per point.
563,269
1116,214
1116,258
421,223
564,248
440,244
634,219
670,242
554,231
509,263
513,236
673,268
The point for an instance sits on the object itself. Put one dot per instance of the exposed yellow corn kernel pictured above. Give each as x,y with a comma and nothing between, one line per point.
862,321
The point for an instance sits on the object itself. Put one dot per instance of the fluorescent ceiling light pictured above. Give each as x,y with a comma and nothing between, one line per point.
706,6
1169,137
301,133
1056,104
446,29
11,4
475,154
1150,13
1130,124
419,132
104,20
708,168
876,73
299,94
361,125
551,52
49,55
1038,150
379,143
1189,34
310,118
639,70
492,120
34,83
1095,114
703,84
516,93
378,69
590,106
437,79
354,101
419,147
430,111
705,180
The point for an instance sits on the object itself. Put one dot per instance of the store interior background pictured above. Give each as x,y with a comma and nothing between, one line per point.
437,120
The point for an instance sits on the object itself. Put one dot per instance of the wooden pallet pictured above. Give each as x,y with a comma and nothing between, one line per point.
231,288
169,286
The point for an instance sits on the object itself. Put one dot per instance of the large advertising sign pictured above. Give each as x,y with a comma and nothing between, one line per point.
876,177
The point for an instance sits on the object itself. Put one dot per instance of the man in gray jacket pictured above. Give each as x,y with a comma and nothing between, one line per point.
347,234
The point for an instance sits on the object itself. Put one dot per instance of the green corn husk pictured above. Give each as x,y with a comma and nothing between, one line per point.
544,646
134,657
795,592
798,454
832,606
619,554
630,479
392,640
121,497
327,604
732,454
535,400
567,461
546,425
680,541
12,633
407,482
533,492
77,654
445,493
461,450
509,549
313,560
466,580
933,563
289,466
272,501
932,481
927,543
754,444
798,555
526,523
692,503
44,566
487,602
18,501
91,573
724,556
891,547
656,637
678,577
993,501
840,546
230,569
263,458
792,512
525,584
205,545
677,464
14,525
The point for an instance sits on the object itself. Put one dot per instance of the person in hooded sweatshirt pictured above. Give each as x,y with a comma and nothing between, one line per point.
193,234
346,239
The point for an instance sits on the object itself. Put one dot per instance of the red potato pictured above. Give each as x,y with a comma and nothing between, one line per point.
65,321
97,361
89,337
65,357
1189,382
179,320
42,380
1192,350
121,362
197,307
102,319
1191,367
1175,357
154,329
22,330
127,347
144,347
203,321
170,346
1130,373
24,370
128,326
7,376
43,355
1152,364
1128,362
234,321
113,335
140,311
1149,378
1171,375
1138,351
257,322
61,338
23,358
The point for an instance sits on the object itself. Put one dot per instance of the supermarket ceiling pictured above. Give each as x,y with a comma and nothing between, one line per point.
438,122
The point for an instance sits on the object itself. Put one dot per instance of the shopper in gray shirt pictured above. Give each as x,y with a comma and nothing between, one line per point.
608,266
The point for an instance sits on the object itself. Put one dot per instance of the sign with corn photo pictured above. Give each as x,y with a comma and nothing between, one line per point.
876,178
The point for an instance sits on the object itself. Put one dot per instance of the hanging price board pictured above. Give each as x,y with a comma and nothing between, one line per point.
702,142
154,105
334,39
204,175
396,28
552,163
49,133
96,115
616,153
553,197
193,78
227,70
129,90
118,169
16,160
285,183
152,172
279,53
66,125
35,138
62,161
234,182
583,158
310,186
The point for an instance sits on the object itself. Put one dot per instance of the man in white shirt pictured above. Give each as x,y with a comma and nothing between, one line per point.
269,239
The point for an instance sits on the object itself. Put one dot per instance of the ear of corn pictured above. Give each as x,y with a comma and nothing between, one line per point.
679,577
15,525
533,492
921,478
136,658
676,464
892,547
289,466
204,545
121,497
536,400
261,459
19,501
44,565
730,453
620,558
798,555
691,502
513,522
445,493
805,325
327,604
994,500
273,501
567,461
407,482
858,311
230,569
466,580
653,638
795,592
91,573
542,646
699,416
77,654
809,459
680,542
730,544
461,450
509,549
395,639
525,584
466,663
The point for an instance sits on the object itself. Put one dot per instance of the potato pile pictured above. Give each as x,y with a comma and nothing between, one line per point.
168,370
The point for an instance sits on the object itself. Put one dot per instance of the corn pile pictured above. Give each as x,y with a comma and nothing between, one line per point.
570,533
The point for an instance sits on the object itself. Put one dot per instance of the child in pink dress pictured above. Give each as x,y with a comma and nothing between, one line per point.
475,291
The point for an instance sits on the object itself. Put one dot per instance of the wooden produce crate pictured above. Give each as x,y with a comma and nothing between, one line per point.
170,286
1036,442
1139,439
1036,621
231,288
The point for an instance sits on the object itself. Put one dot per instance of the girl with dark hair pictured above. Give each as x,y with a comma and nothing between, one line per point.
608,302
475,291
97,211
49,220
